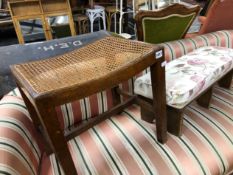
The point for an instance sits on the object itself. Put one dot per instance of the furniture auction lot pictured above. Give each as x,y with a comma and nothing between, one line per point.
124,143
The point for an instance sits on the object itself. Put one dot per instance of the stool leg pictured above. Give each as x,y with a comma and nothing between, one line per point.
79,27
91,21
174,118
225,82
56,138
204,99
147,115
159,100
31,109
104,20
115,21
113,15
109,21
116,96
91,18
83,27
120,24
99,24
36,120
121,16
86,26
175,121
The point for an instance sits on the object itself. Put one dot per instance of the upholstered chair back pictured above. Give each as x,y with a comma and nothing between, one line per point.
168,24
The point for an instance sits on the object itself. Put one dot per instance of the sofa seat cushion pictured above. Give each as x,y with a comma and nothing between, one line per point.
125,144
190,75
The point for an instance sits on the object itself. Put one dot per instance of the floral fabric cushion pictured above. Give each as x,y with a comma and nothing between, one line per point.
190,75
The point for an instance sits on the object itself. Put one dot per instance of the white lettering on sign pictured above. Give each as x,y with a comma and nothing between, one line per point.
64,45
48,48
77,43
159,54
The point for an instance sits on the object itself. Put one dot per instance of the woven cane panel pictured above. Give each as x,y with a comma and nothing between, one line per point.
88,63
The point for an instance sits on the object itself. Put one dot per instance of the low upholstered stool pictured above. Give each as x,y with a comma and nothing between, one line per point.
96,67
189,78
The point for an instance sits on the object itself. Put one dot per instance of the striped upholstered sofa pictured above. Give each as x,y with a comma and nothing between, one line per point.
124,144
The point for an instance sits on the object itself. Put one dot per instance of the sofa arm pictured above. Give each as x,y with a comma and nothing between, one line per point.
202,19
178,48
20,152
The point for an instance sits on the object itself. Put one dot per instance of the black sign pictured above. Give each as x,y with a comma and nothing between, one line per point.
16,54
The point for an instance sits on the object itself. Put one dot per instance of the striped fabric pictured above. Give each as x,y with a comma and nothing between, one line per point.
126,145
176,49
19,152
72,113
75,112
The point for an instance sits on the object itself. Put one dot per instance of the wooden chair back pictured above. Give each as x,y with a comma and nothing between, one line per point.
41,10
167,24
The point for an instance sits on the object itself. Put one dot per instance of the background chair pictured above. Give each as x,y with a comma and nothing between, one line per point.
167,24
25,14
219,17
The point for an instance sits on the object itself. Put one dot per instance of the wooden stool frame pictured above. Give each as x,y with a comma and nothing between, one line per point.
39,9
42,106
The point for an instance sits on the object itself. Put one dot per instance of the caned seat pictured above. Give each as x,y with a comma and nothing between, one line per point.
98,66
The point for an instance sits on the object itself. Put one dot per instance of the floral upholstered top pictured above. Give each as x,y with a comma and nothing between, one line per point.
190,75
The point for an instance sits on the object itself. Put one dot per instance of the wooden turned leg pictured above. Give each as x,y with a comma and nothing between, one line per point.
147,115
225,82
175,120
204,99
